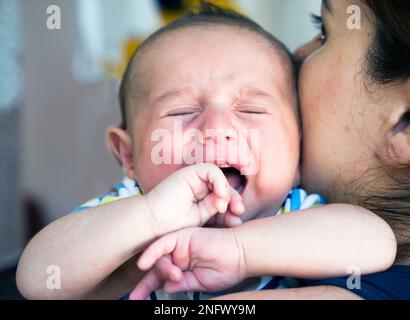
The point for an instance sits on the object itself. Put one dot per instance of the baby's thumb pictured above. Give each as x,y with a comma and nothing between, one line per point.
188,282
156,250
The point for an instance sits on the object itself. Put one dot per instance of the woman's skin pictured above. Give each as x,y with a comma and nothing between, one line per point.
347,120
348,125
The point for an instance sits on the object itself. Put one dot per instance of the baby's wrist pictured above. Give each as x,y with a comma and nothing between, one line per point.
157,227
243,267
249,253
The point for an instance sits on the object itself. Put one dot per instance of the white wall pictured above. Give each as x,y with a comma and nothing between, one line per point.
11,218
64,157
288,20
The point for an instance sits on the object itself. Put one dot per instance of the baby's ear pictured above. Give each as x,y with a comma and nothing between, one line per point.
119,144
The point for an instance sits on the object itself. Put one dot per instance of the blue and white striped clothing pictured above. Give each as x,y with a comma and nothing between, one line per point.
297,200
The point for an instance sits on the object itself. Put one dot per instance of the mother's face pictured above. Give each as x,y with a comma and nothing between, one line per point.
345,121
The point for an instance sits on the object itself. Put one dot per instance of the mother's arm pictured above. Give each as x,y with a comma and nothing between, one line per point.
306,293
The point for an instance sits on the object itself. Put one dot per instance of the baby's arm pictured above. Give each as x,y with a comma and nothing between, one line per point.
321,242
88,249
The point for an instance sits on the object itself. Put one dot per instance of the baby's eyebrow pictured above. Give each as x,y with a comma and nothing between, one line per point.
171,94
255,92
246,92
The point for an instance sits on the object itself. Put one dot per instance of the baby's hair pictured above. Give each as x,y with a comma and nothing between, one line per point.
205,14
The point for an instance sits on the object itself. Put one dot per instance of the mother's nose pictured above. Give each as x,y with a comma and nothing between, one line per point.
305,50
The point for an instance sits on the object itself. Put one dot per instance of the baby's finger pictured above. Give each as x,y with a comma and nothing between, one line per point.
209,206
236,205
232,221
219,182
188,283
221,204
205,178
167,270
227,219
213,175
148,284
156,250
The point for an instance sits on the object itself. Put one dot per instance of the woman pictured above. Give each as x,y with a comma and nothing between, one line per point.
354,89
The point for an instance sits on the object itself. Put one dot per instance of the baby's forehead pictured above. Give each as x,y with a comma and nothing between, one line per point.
216,48
213,37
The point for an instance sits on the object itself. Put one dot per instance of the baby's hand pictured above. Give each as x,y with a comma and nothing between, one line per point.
191,196
194,259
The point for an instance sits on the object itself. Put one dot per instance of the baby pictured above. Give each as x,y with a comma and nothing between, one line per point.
211,133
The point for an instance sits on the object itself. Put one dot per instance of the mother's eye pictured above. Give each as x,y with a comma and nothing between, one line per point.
318,22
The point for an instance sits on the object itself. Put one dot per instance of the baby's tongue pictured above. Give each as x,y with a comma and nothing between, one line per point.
234,179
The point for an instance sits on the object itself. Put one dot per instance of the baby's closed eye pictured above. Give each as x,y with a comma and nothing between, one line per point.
252,109
182,111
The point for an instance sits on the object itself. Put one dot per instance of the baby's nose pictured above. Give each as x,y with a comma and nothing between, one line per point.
218,146
217,127
218,135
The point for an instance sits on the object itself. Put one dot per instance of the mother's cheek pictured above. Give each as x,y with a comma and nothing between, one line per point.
326,90
323,95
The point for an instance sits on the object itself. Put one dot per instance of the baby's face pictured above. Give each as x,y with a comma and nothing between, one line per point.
217,95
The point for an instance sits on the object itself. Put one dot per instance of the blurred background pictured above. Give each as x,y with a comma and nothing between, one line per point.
60,61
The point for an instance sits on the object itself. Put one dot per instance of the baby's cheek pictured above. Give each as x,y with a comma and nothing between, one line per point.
278,171
155,163
152,175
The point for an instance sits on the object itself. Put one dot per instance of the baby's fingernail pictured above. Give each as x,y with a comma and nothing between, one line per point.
241,208
223,207
175,276
236,221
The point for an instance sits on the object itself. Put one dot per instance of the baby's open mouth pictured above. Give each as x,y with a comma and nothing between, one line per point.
235,179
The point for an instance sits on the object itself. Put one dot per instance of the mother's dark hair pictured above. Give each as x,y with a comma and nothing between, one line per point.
389,55
388,63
